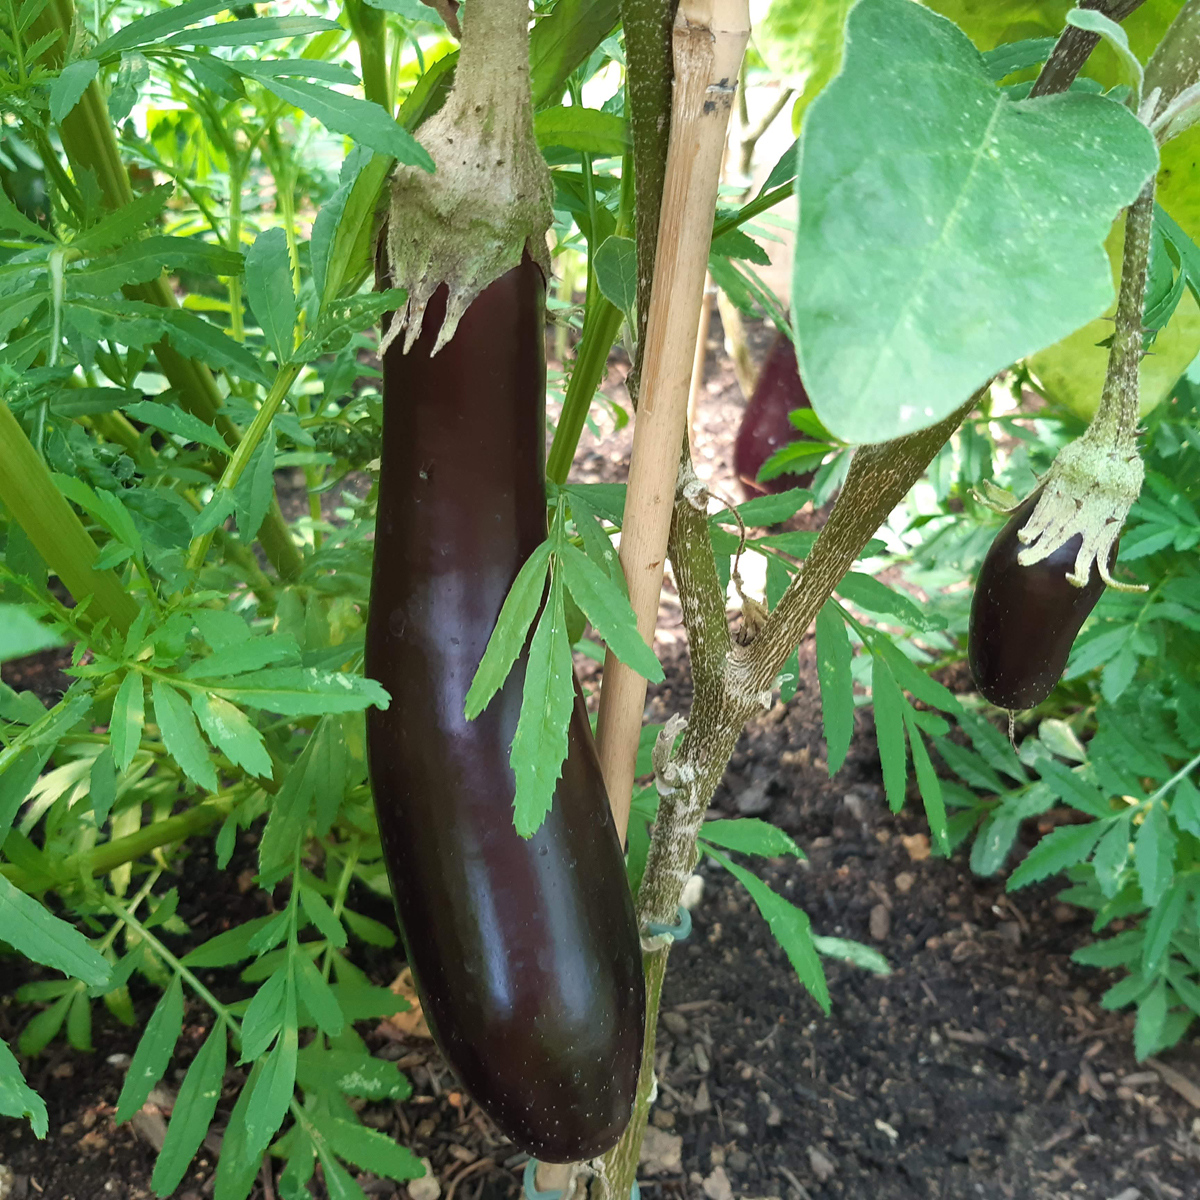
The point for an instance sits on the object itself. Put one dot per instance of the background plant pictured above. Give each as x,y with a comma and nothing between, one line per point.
217,664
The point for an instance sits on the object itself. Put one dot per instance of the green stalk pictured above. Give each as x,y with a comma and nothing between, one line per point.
35,503
370,32
237,464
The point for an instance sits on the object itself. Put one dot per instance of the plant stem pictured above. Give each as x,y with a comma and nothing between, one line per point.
35,503
115,907
1115,422
1074,47
370,32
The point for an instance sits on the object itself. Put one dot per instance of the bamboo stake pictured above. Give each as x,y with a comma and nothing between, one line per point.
709,39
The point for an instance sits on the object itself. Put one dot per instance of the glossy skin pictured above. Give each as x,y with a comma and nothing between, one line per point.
526,953
765,426
1025,619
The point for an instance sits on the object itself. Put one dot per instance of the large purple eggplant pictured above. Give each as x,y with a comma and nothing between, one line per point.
525,952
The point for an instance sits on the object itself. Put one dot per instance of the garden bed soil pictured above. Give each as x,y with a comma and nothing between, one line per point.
982,1067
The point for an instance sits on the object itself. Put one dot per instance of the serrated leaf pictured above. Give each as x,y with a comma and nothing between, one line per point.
889,708
70,85
194,1109
749,835
322,916
269,290
370,1150
301,691
230,730
910,677
44,1027
195,337
102,786
153,1051
175,420
274,1088
181,735
130,322
1073,788
790,927
225,949
355,1073
834,656
246,654
42,937
1185,807
517,614
366,122
17,1098
609,610
854,953
1154,854
540,743
373,932
119,226
250,31
900,307
147,258
265,1015
338,1181
1110,858
128,718
1061,848
237,1164
318,997
1161,925
1151,1016
869,594
146,30
255,490
13,220
928,782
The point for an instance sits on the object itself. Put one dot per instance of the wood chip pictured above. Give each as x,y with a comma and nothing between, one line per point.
970,1037
411,1023
1055,1084
1177,1081
1064,1134
1089,1084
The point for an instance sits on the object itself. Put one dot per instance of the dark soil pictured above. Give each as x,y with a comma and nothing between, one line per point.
983,1066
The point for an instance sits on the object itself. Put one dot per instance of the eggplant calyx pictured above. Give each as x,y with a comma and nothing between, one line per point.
1088,492
489,201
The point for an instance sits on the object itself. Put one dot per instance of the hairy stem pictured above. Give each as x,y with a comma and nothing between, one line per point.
1074,47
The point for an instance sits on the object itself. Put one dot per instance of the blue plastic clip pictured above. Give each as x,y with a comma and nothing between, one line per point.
532,1192
677,933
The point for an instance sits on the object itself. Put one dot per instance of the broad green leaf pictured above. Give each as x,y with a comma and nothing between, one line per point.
17,1098
906,299
749,835
1111,857
615,264
834,656
373,932
302,691
145,30
269,291
181,735
1061,848
42,937
265,1015
1154,853
1151,1016
319,998
153,1051
1185,807
322,916
540,744
70,85
563,40
103,785
854,953
175,420
237,1164
256,489
362,120
1161,925
874,597
193,1113
192,335
232,946
889,705
608,609
274,1088
790,927
251,31
1073,788
517,614
370,1150
587,130
230,730
928,782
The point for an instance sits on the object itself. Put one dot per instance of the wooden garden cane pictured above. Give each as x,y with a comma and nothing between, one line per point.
709,39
